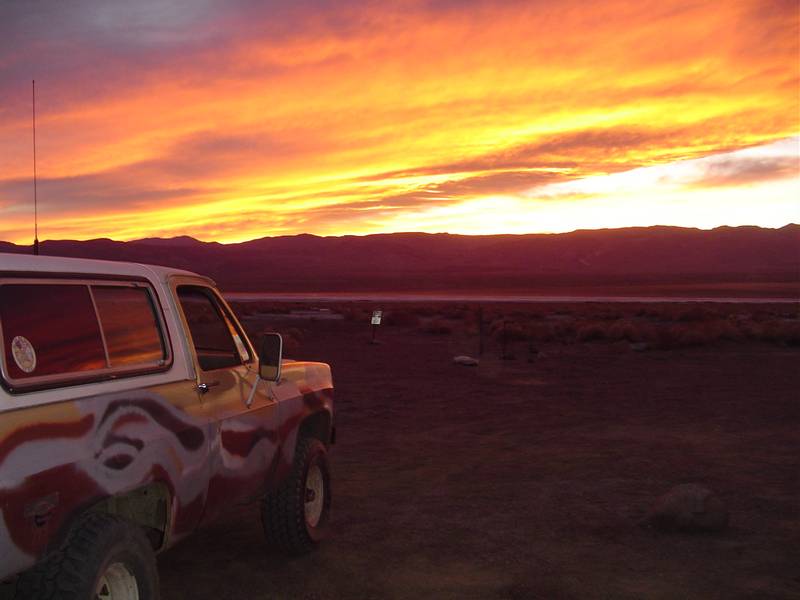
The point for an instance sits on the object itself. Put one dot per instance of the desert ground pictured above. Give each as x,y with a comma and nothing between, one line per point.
529,476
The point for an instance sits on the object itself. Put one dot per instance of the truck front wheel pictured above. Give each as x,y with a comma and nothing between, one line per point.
104,558
295,516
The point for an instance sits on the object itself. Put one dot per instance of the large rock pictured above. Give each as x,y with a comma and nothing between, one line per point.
689,507
467,361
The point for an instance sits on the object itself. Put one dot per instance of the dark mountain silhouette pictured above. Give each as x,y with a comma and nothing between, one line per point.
615,259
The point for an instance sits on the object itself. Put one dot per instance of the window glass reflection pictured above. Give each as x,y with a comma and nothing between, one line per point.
49,329
129,325
213,343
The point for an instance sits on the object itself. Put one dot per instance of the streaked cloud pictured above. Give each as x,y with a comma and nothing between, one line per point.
234,120
749,171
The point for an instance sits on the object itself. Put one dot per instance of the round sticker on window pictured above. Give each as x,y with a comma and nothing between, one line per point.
24,354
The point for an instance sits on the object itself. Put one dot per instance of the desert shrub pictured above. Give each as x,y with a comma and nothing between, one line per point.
542,332
424,310
454,312
609,315
437,327
752,330
722,329
295,332
655,312
564,330
513,332
782,331
681,336
243,309
493,327
632,331
763,315
348,314
622,330
691,336
344,309
356,313
590,332
549,331
696,314
401,318
263,307
291,344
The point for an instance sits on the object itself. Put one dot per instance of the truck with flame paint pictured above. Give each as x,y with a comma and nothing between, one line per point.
133,409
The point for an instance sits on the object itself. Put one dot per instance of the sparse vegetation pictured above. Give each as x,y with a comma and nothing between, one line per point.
437,327
659,325
401,318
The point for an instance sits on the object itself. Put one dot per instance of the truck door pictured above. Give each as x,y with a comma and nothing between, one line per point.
244,439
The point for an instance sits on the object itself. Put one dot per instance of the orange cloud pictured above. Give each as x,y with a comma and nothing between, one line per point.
236,120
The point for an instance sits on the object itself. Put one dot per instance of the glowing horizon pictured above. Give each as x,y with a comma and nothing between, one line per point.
234,121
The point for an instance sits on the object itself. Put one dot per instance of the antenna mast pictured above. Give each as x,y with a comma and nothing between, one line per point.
35,199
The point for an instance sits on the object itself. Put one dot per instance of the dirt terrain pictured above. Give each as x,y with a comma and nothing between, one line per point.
528,477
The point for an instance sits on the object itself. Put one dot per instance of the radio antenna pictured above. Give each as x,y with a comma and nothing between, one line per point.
35,199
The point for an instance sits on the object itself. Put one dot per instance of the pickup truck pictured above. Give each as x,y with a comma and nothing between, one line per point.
133,409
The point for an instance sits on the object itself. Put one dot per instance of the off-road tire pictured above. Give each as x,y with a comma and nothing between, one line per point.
283,512
95,543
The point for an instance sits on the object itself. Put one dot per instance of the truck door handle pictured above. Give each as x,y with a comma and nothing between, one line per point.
204,387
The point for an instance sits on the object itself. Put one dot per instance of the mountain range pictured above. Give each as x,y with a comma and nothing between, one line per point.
658,259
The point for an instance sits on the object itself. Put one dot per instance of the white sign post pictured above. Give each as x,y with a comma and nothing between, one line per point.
376,320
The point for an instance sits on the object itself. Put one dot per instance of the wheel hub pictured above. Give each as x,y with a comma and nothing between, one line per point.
314,495
117,583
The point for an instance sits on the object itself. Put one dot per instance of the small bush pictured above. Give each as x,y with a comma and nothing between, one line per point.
681,336
401,318
723,330
513,332
696,314
782,332
291,344
623,330
356,313
454,312
632,331
542,332
437,327
591,332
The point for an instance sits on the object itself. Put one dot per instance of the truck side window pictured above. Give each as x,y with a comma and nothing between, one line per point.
129,324
49,330
64,333
211,334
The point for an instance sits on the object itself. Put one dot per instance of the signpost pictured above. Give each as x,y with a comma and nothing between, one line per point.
376,320
480,331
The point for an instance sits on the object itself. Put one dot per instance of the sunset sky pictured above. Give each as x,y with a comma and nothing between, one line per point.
235,120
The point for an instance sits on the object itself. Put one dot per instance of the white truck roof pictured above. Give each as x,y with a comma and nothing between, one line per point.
27,263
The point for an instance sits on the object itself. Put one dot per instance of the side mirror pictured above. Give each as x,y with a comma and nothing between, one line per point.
269,357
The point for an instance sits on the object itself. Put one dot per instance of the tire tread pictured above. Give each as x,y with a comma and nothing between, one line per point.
62,575
282,512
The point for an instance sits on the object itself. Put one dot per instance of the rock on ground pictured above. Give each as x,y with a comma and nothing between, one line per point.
689,507
467,361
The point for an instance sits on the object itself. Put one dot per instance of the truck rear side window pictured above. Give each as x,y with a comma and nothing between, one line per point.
49,329
129,325
59,333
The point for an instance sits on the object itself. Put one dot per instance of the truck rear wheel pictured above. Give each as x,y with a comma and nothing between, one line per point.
295,516
104,558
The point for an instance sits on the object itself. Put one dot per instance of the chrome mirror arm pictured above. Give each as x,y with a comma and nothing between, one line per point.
252,395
